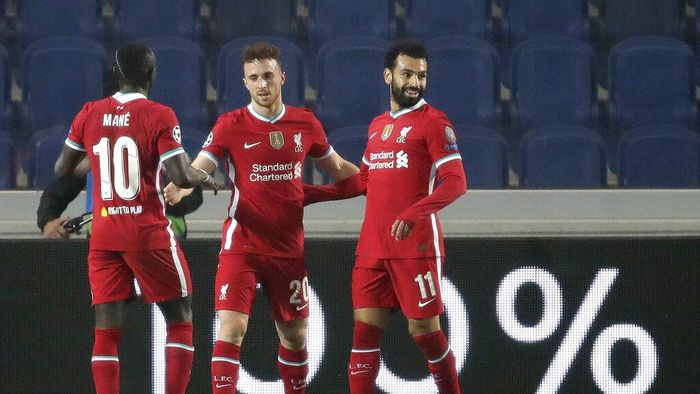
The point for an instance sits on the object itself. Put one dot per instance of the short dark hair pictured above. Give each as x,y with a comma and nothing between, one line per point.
134,63
407,46
261,51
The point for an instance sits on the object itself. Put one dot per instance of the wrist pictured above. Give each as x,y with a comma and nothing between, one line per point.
205,173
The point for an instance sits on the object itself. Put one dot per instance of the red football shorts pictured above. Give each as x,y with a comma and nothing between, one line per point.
410,284
283,280
162,275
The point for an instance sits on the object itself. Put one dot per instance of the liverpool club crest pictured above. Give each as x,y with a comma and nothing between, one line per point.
277,139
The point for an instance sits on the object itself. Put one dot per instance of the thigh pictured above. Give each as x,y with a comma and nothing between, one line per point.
417,286
234,286
110,277
286,286
162,274
371,285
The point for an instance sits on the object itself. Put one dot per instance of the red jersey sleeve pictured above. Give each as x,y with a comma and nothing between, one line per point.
320,148
168,133
77,130
214,148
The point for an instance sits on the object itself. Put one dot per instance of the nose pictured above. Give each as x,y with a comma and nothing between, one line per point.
263,82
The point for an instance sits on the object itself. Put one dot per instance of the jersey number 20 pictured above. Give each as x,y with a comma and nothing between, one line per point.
126,174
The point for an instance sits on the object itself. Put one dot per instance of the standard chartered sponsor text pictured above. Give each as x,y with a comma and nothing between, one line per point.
275,172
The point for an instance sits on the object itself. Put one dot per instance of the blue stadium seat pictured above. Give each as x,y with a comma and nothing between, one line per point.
58,76
624,19
350,131
552,82
350,83
525,19
427,19
42,151
331,19
7,161
562,157
651,82
45,19
484,157
192,141
5,86
463,80
138,19
180,78
660,156
241,18
232,92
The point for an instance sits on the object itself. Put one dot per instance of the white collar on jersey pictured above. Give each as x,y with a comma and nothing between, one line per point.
126,97
407,110
265,118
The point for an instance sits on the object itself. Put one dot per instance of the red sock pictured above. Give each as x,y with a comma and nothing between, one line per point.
105,360
364,358
179,354
441,361
225,361
293,366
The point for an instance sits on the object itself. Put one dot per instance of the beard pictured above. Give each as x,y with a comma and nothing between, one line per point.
402,99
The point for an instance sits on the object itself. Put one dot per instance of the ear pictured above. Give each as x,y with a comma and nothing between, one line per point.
283,78
388,76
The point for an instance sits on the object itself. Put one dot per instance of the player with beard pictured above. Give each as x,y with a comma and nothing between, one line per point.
264,146
400,252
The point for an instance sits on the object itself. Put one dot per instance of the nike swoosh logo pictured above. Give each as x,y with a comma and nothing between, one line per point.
300,307
422,304
218,386
248,146
358,372
375,133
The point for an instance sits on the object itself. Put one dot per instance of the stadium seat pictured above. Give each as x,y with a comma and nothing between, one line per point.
241,18
463,80
5,86
180,78
192,141
42,151
651,82
525,19
350,131
45,19
233,94
138,19
331,19
624,19
58,76
552,82
660,156
427,19
562,157
7,161
350,83
484,157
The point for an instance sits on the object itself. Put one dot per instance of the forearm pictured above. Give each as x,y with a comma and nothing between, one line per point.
349,187
187,204
453,185
56,197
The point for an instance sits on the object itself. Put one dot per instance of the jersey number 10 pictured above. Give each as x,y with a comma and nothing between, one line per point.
126,174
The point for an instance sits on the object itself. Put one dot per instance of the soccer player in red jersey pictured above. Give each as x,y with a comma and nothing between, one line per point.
264,146
400,252
128,139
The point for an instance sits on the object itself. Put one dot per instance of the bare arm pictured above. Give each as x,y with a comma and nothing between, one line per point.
173,193
182,174
337,167
67,162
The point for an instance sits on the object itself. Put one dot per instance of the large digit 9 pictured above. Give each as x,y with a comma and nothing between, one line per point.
126,175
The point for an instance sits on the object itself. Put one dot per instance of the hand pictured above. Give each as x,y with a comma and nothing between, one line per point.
211,184
54,229
173,194
401,229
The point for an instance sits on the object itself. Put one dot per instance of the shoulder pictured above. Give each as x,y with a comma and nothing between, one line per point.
433,114
381,118
231,118
300,114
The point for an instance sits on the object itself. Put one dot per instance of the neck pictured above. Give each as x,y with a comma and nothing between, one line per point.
126,89
394,106
271,111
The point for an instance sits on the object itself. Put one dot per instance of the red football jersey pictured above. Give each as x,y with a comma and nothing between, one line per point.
403,154
265,161
126,138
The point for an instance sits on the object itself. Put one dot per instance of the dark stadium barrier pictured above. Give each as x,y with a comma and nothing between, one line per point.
569,315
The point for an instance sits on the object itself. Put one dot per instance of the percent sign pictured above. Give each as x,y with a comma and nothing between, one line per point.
577,331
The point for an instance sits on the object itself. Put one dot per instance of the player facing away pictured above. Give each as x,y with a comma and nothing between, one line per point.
128,139
264,146
400,252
